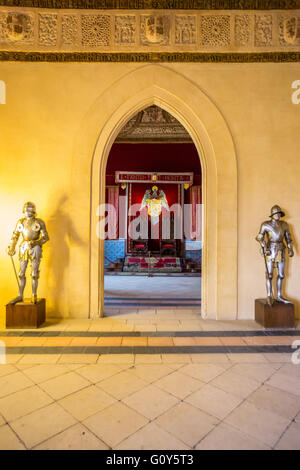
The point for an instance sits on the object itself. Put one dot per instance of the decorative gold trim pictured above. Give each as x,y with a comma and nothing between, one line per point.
157,4
11,56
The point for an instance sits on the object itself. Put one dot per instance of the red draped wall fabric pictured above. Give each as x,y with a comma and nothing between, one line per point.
113,215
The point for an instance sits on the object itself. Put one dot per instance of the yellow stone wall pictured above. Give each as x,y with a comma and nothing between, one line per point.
46,107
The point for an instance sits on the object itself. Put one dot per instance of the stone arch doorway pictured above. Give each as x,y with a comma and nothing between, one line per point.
143,87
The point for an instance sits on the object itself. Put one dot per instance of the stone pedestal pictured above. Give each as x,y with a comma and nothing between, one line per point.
279,315
26,314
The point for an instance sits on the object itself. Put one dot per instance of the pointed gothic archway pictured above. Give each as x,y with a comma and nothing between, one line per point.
156,84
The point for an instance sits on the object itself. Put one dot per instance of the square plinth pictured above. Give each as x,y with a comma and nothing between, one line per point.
26,314
278,315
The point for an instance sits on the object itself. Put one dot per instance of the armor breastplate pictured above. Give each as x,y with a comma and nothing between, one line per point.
30,229
275,233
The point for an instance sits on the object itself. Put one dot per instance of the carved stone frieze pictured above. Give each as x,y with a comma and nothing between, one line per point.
155,29
16,27
96,30
149,33
215,30
69,29
125,28
289,30
185,29
242,30
263,30
48,29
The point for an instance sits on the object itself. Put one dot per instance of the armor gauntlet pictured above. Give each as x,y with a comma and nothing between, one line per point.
289,243
13,242
261,239
44,235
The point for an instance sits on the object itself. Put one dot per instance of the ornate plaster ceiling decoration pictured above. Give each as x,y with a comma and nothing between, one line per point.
153,124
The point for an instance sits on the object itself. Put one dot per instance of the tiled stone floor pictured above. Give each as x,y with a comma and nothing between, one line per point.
149,401
144,286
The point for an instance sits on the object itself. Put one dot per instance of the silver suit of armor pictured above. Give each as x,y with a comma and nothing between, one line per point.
34,235
274,237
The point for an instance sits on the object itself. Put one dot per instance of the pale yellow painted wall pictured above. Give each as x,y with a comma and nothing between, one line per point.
46,106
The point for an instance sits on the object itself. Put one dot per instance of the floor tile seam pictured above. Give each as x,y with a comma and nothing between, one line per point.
18,361
54,377
113,363
98,385
234,429
6,375
234,394
223,421
273,387
282,434
285,374
160,427
227,393
17,436
94,383
125,404
95,435
245,400
218,375
155,380
21,389
151,420
209,432
40,363
54,435
171,394
30,412
81,421
281,390
220,420
268,360
4,420
55,400
30,367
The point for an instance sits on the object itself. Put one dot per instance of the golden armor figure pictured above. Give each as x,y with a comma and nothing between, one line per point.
34,235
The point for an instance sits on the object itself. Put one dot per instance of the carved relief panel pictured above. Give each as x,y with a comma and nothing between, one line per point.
17,27
48,29
155,29
215,30
96,30
289,30
263,30
125,28
242,30
185,29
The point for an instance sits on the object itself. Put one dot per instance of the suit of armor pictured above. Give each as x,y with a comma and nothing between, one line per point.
274,237
34,235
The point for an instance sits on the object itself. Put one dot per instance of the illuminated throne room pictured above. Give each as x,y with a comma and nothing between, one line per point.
153,172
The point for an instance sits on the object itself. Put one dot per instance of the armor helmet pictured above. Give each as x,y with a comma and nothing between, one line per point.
29,204
277,210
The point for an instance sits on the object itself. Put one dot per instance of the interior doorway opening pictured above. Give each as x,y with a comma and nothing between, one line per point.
153,231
